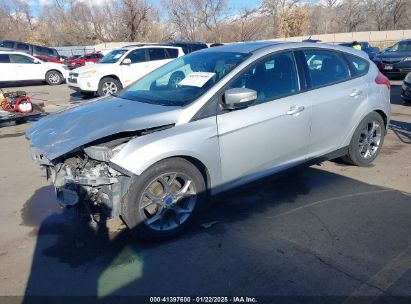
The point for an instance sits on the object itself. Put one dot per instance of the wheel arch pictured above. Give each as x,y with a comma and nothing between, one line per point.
111,76
384,117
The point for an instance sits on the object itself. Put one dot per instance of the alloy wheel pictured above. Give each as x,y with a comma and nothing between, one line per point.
54,78
168,201
109,88
370,139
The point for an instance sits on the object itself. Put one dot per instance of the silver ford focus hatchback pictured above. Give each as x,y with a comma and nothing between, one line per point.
210,121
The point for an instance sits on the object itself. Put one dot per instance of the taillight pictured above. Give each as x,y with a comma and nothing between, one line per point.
382,79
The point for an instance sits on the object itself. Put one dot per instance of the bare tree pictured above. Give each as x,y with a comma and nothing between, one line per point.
397,9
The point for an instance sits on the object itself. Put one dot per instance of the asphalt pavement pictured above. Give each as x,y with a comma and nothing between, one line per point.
330,230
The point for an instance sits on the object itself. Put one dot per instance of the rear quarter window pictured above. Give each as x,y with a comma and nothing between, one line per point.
358,66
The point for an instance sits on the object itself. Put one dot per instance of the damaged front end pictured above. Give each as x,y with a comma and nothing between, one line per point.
85,176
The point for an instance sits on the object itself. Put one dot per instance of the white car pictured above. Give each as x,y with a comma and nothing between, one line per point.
18,66
121,67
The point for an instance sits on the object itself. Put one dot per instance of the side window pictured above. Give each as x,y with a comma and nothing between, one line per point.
137,56
8,44
4,58
171,53
273,77
325,67
23,46
359,66
15,58
156,54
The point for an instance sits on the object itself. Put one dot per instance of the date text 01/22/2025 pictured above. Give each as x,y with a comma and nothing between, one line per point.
203,300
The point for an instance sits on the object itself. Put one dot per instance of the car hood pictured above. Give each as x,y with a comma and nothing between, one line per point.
92,66
394,55
62,132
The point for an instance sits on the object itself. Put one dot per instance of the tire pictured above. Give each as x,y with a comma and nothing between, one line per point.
54,78
367,141
164,219
108,86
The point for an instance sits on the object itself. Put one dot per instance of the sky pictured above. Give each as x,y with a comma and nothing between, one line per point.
235,4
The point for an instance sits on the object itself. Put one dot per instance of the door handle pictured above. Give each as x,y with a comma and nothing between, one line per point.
355,93
295,110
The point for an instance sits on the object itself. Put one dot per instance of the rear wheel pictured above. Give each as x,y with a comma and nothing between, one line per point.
164,200
367,140
109,86
54,78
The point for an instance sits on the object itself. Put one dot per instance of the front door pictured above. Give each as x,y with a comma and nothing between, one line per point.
26,67
273,133
136,69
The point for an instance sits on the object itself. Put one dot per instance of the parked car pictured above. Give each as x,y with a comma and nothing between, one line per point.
153,153
395,61
48,59
83,60
31,49
406,88
18,66
120,68
365,47
187,46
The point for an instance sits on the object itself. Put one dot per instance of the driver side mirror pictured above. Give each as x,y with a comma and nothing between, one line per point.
126,61
239,98
36,61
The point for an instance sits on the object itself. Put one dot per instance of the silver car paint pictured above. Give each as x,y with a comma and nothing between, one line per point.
225,173
62,132
212,141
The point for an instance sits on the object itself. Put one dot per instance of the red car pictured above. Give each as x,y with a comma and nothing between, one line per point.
78,62
49,59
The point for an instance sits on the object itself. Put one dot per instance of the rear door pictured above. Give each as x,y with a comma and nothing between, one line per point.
26,68
8,71
273,133
336,94
157,57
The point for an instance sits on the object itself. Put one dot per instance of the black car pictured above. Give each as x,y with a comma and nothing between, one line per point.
188,46
366,47
406,88
31,49
396,60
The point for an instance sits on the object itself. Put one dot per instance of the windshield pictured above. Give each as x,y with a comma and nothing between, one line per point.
402,46
184,79
113,56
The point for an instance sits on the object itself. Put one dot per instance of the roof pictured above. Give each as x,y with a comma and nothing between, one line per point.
242,47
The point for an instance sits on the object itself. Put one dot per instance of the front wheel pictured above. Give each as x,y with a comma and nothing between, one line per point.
109,86
164,200
54,78
367,141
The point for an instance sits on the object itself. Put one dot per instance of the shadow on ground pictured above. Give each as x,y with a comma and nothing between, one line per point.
309,233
